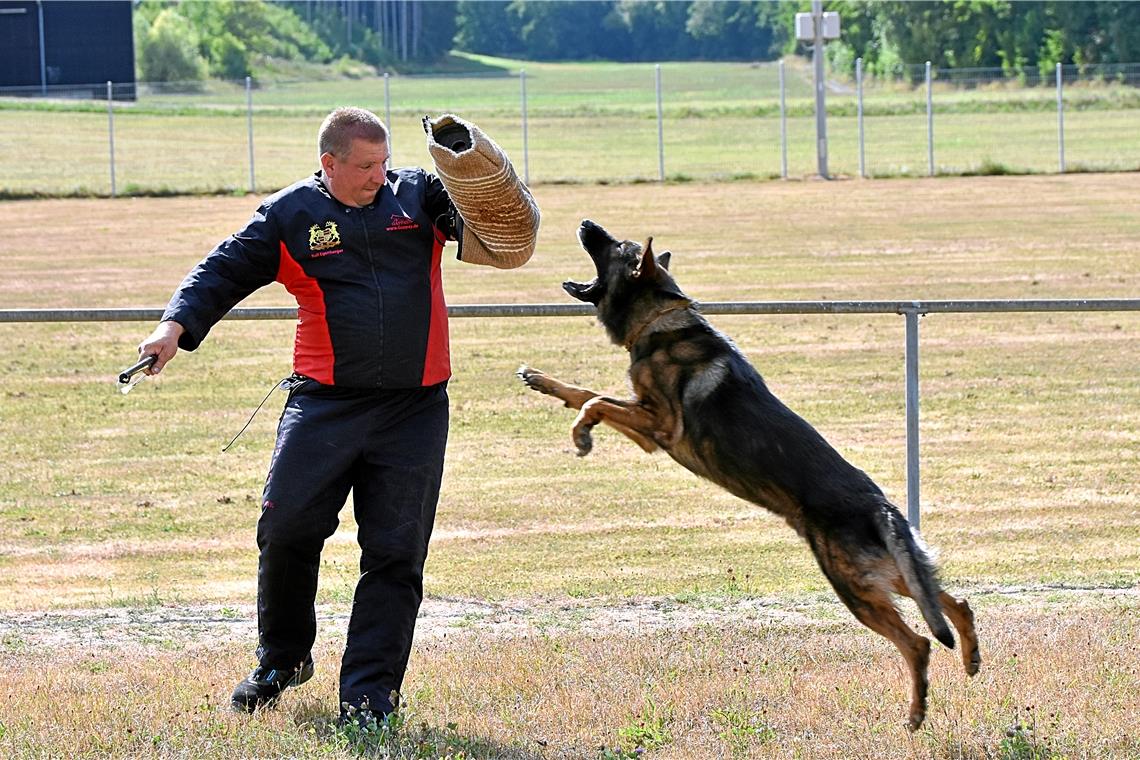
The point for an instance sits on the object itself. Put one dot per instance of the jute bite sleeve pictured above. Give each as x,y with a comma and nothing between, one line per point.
499,215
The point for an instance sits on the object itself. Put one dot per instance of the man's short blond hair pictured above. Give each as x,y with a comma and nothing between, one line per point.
346,124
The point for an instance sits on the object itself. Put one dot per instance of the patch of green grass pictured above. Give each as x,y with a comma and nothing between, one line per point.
991,168
1023,740
646,731
741,726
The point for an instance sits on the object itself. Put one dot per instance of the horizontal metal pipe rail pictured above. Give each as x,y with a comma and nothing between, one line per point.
911,310
576,310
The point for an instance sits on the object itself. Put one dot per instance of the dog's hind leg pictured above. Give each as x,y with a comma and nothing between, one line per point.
871,603
879,614
960,614
962,617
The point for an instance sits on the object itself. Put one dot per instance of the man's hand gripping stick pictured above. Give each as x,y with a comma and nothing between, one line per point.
132,375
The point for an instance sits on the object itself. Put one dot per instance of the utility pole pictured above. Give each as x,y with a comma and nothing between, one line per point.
817,27
820,92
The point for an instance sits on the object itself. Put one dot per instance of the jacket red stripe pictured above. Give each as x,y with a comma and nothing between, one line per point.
437,362
313,354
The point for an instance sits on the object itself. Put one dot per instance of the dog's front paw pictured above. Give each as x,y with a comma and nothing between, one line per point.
536,380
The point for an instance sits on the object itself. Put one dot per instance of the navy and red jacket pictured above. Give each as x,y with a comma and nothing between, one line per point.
371,312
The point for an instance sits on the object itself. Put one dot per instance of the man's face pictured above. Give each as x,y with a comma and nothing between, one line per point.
355,179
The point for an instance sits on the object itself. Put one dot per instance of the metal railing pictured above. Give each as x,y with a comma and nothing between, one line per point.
911,311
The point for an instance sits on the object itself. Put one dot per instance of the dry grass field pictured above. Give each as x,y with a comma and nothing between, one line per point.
615,605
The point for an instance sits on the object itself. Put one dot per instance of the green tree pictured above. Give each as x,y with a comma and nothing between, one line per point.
656,29
569,30
168,50
1094,33
387,33
228,57
234,33
485,26
732,30
859,37
437,28
1019,37
232,37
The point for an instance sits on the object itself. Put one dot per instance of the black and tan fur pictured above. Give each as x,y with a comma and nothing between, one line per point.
699,399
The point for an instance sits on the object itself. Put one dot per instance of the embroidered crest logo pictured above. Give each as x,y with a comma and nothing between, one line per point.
323,238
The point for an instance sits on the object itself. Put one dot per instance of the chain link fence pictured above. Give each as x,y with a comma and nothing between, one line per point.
580,123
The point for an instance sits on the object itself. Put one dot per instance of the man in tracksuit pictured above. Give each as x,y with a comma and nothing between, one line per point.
359,246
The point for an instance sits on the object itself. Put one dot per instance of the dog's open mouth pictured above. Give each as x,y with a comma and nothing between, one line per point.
583,291
596,242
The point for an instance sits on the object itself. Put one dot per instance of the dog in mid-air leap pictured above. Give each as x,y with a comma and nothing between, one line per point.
699,399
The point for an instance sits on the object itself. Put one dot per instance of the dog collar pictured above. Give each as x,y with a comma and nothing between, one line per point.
636,333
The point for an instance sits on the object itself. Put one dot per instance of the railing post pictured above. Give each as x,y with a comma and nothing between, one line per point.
929,122
783,125
1060,121
859,97
111,132
249,129
660,126
912,462
526,151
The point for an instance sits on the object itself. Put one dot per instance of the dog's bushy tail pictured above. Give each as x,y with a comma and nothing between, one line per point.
917,570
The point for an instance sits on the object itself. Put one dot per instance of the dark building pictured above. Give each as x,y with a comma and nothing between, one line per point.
62,48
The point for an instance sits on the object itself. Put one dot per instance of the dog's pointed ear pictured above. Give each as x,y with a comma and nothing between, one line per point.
647,267
663,260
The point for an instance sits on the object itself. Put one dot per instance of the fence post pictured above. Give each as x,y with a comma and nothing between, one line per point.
783,126
249,129
912,468
929,122
111,132
859,99
1060,122
660,126
388,117
526,151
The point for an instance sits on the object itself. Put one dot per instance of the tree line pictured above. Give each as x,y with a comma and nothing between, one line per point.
953,33
230,39
190,40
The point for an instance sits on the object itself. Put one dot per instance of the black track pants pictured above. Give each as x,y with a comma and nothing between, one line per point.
387,447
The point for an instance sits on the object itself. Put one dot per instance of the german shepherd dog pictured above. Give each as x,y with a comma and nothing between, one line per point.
699,399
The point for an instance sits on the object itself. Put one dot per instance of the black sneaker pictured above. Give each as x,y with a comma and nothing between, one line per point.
263,686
